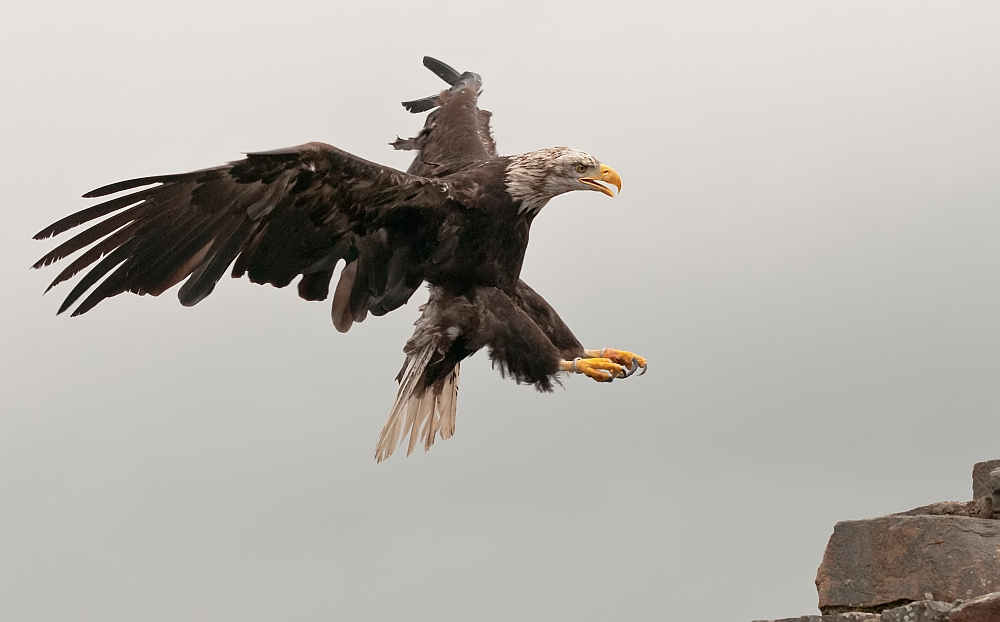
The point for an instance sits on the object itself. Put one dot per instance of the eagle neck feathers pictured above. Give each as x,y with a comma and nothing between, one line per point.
526,176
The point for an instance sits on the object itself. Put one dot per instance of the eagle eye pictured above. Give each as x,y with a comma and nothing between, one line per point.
581,167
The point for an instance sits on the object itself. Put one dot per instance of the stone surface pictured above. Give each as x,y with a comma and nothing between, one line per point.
982,486
869,564
852,616
901,568
983,609
919,611
978,508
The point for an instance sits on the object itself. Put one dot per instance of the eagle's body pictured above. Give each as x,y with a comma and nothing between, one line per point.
481,239
458,220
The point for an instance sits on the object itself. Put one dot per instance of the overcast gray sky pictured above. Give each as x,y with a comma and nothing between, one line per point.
805,250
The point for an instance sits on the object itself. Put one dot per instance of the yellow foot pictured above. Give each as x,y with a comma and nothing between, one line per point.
623,357
600,369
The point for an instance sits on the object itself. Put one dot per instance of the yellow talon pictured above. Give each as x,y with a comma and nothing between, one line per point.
629,360
600,369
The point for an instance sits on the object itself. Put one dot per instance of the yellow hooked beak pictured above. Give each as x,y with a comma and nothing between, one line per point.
608,176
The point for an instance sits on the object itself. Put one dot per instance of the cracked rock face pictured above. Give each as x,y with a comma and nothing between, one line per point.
982,484
920,611
870,564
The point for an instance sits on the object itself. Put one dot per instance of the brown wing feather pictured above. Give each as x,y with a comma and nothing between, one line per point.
276,214
455,136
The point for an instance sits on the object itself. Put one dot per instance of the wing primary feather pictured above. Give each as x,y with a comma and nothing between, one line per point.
442,70
128,184
423,104
94,253
159,267
114,258
161,270
90,213
203,280
457,81
242,263
89,236
109,287
147,263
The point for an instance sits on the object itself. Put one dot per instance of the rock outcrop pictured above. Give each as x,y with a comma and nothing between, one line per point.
875,563
936,563
983,484
983,609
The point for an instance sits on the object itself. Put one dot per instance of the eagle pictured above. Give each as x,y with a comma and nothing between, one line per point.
458,220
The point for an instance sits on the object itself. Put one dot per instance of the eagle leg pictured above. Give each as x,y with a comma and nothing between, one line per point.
623,357
600,369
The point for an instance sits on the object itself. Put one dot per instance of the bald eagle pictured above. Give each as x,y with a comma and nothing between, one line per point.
457,219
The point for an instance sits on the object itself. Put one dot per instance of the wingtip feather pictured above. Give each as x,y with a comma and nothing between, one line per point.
442,70
423,104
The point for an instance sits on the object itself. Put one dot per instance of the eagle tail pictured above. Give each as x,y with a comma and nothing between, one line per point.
420,411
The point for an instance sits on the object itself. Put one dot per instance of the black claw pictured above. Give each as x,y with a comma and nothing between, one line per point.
631,370
644,368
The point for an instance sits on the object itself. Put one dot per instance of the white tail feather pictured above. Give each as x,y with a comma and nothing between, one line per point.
421,413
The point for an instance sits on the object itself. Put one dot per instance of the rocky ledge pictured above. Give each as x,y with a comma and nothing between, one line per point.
985,608
935,563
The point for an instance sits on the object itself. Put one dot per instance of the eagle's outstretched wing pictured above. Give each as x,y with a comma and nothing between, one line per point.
276,214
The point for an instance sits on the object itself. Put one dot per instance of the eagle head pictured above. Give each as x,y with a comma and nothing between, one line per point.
535,177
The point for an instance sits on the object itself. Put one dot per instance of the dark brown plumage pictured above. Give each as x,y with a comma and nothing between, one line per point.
458,219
